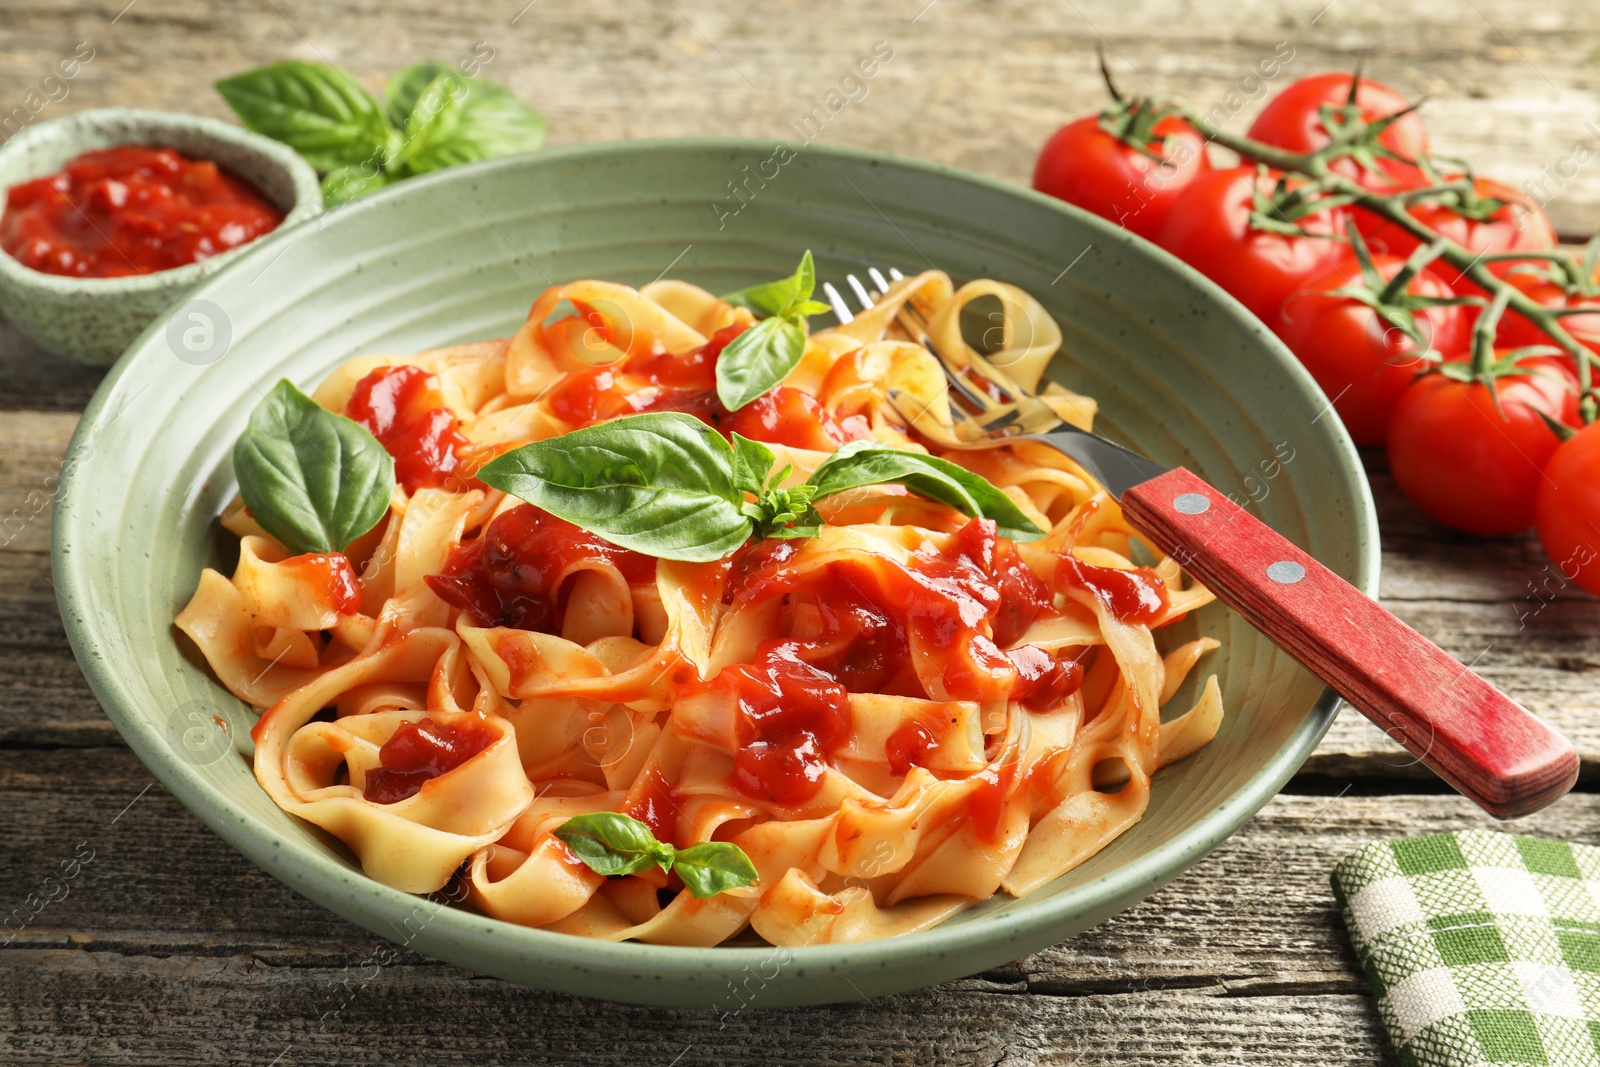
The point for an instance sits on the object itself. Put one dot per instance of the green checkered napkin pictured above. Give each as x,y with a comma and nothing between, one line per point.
1482,948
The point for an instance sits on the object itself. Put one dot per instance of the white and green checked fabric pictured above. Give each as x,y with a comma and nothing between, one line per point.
1481,948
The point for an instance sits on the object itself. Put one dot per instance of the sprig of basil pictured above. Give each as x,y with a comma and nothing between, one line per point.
762,356
862,463
668,485
406,87
660,483
317,110
433,117
611,843
314,480
455,121
614,844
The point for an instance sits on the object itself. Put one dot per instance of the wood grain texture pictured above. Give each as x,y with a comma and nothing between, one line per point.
1471,734
976,84
1222,966
170,949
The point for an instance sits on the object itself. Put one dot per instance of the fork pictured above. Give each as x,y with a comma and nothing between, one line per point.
1486,745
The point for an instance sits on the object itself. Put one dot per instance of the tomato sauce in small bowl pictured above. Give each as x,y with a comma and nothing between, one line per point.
111,217
131,209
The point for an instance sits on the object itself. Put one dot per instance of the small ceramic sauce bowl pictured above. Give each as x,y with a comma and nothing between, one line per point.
93,320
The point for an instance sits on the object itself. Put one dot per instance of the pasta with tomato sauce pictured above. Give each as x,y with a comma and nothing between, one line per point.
894,719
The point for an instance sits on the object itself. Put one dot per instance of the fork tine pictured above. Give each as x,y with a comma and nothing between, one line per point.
863,297
894,272
841,310
878,279
1030,415
963,429
975,399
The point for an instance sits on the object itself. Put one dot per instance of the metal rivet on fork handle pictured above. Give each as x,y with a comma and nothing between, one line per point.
1285,572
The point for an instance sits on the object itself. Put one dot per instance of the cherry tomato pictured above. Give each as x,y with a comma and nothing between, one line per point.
1084,165
1209,229
1568,508
1517,226
1516,331
1362,361
1467,465
1293,120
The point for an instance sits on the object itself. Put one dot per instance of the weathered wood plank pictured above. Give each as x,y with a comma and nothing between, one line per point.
33,379
974,84
171,950
1219,967
1222,966
157,882
32,444
95,1008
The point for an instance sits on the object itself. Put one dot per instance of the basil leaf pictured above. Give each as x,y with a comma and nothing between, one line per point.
870,463
752,463
406,86
317,110
758,359
611,843
454,121
314,480
782,297
346,183
713,866
660,483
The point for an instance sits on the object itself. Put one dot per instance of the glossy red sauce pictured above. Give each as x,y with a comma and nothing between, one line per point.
792,716
787,416
910,746
869,614
507,575
656,805
987,803
331,575
652,381
131,210
687,382
420,751
405,411
1137,596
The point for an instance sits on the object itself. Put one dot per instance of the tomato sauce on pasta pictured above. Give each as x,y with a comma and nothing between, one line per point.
895,719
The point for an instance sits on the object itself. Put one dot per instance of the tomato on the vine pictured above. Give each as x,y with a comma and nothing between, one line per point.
1213,229
1568,509
1516,330
1362,359
1294,120
1084,164
1515,225
1468,463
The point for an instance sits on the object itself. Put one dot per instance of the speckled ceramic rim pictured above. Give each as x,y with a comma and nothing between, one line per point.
648,973
156,127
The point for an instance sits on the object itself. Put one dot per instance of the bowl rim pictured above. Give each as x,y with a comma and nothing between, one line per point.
473,940
302,177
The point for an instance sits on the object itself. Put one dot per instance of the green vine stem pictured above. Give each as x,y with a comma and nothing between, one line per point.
1392,208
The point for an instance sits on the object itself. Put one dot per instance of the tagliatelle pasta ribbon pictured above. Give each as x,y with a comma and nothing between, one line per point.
892,720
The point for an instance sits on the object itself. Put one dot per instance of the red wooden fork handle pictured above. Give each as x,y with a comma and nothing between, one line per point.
1492,749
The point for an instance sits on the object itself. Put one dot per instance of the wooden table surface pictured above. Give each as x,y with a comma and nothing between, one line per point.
170,949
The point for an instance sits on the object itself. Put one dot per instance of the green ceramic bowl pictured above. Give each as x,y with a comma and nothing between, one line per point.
91,320
1177,366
